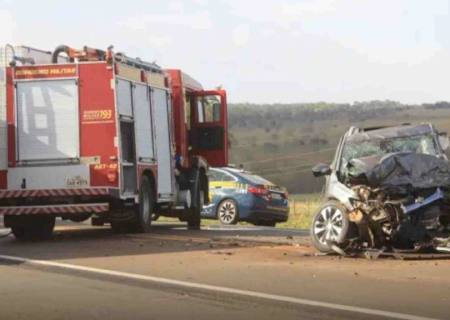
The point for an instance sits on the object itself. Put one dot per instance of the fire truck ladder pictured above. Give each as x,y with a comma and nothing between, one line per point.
138,63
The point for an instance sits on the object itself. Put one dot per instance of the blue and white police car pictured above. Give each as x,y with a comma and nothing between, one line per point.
238,195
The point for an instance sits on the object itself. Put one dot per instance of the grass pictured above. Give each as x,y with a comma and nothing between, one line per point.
302,208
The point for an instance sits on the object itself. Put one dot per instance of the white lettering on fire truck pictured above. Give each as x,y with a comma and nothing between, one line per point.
77,181
103,166
45,72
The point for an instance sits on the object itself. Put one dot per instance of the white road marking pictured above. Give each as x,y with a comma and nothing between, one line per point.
219,289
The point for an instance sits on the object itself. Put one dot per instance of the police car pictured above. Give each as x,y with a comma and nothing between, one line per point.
238,195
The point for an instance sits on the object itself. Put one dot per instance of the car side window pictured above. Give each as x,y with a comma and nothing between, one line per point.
227,177
215,175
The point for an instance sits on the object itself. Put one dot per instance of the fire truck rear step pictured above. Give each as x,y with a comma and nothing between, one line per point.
56,209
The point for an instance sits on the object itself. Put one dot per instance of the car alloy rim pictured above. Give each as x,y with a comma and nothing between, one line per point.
227,211
328,224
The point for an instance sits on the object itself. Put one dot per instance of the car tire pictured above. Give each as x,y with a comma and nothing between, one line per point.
227,212
330,225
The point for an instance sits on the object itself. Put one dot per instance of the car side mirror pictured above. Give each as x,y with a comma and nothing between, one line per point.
321,169
444,140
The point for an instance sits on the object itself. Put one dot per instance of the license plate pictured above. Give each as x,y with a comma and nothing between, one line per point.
276,196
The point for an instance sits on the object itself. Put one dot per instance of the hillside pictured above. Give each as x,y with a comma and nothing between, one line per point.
283,142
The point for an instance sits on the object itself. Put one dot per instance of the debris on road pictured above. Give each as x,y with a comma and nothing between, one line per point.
227,253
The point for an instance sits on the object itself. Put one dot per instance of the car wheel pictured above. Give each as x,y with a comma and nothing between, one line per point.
330,225
227,212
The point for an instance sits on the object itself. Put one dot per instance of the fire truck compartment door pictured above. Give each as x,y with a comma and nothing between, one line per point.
162,120
47,120
124,101
209,137
143,124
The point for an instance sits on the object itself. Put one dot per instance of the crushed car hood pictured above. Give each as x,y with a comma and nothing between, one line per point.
402,172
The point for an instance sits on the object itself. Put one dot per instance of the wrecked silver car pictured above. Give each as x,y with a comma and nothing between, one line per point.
388,189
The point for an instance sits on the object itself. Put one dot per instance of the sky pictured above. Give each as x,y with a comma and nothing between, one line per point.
280,51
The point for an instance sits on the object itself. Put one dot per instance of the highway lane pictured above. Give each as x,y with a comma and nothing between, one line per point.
33,294
246,258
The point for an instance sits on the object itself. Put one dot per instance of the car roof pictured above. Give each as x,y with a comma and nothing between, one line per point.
235,172
230,170
359,135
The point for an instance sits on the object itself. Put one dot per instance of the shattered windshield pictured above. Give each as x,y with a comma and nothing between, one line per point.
423,144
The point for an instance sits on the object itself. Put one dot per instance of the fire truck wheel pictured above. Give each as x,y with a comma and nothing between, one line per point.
120,227
144,212
33,227
198,199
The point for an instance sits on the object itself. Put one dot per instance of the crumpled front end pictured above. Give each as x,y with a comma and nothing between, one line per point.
402,202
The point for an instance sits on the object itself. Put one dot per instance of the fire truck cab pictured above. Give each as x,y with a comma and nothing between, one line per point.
96,134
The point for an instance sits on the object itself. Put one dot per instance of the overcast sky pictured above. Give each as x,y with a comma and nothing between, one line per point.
262,51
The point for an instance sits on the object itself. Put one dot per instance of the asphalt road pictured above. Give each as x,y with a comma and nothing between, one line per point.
237,272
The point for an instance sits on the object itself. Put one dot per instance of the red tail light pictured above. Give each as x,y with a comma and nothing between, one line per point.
258,191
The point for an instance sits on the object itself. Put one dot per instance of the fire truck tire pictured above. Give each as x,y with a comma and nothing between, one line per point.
144,211
120,227
33,227
198,199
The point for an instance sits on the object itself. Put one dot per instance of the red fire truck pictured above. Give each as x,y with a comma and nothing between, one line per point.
96,134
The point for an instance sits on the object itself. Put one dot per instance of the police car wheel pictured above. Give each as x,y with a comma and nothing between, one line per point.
227,212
